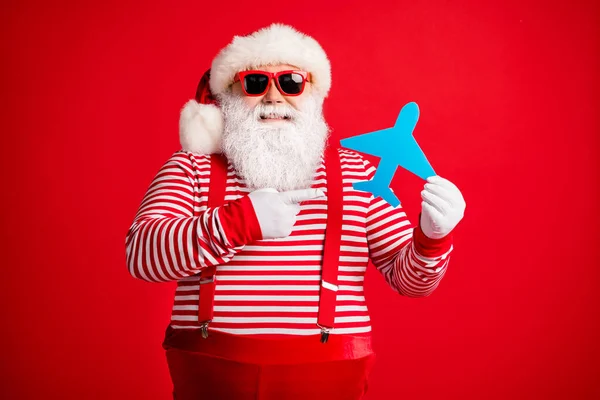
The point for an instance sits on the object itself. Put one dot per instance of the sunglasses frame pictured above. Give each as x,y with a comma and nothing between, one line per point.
240,76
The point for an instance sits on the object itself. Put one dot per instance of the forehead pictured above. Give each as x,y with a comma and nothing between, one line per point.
276,68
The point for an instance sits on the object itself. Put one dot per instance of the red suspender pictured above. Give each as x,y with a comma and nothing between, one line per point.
333,238
216,197
331,253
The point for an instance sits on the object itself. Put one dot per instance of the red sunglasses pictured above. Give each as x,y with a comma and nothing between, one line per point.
257,83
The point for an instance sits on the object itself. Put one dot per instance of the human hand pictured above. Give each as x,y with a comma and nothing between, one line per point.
443,207
276,211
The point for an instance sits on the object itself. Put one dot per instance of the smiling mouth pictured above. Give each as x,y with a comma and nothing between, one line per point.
272,117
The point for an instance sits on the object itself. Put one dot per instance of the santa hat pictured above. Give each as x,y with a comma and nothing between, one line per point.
201,120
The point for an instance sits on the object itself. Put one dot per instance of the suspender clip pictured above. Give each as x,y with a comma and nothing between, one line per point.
204,329
324,333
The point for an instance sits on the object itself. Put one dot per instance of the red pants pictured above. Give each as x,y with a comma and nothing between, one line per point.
237,367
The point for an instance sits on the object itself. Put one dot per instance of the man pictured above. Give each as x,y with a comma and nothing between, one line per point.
269,246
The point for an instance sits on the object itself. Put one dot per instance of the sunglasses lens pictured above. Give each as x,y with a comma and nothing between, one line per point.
256,83
291,83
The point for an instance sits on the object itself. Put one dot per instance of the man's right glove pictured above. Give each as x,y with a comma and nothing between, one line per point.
276,211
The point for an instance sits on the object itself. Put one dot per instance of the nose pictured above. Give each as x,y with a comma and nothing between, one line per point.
273,96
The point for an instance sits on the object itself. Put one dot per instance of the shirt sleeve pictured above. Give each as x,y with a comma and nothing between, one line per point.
411,263
167,241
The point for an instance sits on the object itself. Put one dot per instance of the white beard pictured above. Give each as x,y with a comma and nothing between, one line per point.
283,156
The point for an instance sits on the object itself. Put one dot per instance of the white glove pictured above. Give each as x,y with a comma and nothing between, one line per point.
443,207
276,212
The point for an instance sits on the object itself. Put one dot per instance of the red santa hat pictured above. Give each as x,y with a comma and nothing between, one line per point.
201,120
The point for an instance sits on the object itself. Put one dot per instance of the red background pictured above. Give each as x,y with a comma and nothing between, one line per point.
508,92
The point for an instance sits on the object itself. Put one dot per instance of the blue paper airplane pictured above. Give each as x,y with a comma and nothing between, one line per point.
397,147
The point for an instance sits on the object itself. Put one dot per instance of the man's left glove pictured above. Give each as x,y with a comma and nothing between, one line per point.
443,207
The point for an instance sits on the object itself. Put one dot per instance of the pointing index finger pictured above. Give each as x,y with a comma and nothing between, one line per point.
296,196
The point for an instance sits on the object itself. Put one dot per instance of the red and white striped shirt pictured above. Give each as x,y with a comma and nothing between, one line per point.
271,287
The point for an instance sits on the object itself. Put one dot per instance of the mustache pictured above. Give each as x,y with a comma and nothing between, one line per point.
235,108
277,111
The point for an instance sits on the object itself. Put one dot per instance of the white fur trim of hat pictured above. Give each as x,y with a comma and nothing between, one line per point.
275,44
201,125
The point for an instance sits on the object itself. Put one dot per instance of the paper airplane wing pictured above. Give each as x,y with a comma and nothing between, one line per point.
395,145
410,157
369,143
383,143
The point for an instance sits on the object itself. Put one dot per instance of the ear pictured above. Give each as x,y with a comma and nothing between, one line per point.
200,128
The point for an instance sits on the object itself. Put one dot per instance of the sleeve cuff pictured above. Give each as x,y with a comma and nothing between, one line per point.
428,247
239,222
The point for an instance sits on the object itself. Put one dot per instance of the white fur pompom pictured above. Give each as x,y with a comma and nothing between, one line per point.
200,128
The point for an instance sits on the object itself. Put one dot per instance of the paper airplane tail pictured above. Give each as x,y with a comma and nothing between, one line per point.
378,190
